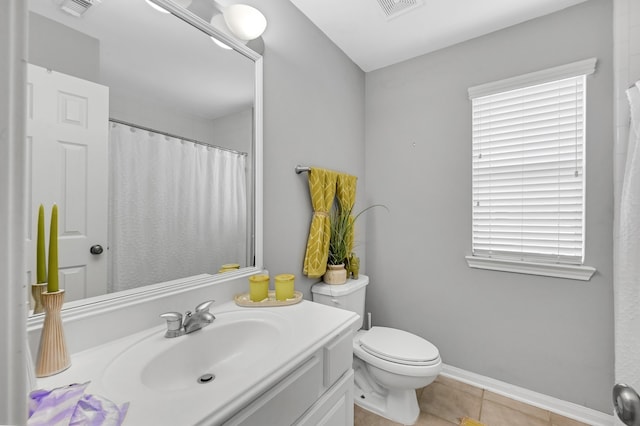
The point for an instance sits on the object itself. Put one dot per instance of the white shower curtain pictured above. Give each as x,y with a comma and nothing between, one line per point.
627,255
178,208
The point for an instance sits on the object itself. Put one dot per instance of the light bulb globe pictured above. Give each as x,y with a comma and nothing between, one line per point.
245,22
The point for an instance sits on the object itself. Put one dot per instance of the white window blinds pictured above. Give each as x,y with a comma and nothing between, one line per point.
528,172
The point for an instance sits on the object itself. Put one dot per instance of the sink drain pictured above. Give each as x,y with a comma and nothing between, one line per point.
206,378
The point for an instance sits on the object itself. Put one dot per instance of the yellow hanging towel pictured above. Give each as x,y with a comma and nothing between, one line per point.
322,187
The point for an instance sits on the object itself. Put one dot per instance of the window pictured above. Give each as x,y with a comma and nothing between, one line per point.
528,170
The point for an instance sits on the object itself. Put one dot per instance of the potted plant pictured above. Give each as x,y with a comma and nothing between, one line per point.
341,227
342,224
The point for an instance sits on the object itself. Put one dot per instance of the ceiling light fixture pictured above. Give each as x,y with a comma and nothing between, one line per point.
245,22
217,21
221,44
240,22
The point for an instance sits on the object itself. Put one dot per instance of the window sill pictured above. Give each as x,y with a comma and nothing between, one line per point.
573,272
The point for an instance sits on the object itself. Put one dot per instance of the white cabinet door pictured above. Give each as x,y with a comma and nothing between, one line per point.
67,137
335,408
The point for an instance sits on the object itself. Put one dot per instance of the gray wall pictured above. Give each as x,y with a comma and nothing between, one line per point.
550,335
314,116
159,116
58,47
234,131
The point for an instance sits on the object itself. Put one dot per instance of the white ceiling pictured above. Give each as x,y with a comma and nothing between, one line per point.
363,32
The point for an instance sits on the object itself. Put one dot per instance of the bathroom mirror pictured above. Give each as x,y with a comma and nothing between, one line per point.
147,135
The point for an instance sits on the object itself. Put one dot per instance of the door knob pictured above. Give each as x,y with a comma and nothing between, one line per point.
96,249
627,404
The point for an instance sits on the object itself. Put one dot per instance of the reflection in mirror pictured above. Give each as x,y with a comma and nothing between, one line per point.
141,129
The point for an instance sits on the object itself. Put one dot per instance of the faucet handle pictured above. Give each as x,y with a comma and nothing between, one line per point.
204,306
174,324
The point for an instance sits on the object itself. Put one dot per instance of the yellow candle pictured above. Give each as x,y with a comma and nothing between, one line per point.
41,257
52,284
229,267
258,287
284,286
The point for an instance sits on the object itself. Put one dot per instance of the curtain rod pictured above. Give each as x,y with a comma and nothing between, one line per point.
148,129
302,169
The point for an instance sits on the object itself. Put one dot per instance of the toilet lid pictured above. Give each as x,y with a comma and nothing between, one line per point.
399,346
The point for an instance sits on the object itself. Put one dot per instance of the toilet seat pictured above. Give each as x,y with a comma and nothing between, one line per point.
397,352
399,346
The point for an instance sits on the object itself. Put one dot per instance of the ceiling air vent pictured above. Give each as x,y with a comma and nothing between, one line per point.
395,8
76,7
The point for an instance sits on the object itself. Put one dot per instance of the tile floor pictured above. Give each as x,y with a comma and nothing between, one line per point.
446,401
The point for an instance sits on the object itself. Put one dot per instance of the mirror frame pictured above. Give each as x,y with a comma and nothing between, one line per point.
101,304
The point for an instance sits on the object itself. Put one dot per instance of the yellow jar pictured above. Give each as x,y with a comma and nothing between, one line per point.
284,286
230,266
258,287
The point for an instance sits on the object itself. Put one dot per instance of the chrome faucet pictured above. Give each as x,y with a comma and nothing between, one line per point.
192,321
200,318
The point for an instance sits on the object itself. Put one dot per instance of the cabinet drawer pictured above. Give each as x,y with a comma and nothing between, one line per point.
338,357
287,400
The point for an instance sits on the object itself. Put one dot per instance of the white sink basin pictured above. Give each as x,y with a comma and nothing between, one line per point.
232,347
249,350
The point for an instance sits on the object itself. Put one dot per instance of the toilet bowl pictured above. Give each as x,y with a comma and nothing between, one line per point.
389,364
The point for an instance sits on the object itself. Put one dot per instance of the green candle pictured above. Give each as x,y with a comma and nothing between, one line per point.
52,285
41,257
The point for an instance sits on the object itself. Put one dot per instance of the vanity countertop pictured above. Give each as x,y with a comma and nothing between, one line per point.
307,326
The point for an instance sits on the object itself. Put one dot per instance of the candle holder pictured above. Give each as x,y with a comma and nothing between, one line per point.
53,356
36,291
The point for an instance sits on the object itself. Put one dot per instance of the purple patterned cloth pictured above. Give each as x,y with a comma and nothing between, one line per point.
69,406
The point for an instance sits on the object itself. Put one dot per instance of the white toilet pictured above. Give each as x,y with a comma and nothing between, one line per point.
389,364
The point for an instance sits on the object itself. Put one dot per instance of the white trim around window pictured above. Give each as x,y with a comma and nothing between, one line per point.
584,67
528,173
572,272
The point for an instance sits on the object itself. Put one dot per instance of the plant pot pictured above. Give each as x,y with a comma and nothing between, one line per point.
336,274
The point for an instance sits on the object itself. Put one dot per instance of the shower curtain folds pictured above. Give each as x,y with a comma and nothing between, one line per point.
177,208
627,254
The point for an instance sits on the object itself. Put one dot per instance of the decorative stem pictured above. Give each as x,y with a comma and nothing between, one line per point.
41,257
52,284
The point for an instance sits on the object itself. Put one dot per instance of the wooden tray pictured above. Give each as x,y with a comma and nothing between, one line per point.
244,300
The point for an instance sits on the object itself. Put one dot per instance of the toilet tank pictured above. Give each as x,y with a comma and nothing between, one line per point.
349,296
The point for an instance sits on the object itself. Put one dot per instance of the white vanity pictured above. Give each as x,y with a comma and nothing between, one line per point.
273,366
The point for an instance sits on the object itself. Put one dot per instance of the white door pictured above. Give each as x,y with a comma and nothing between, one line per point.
67,137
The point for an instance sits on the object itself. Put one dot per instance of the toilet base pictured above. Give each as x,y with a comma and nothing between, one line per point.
398,405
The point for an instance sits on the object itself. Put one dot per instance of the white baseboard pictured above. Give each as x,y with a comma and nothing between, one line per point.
558,406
